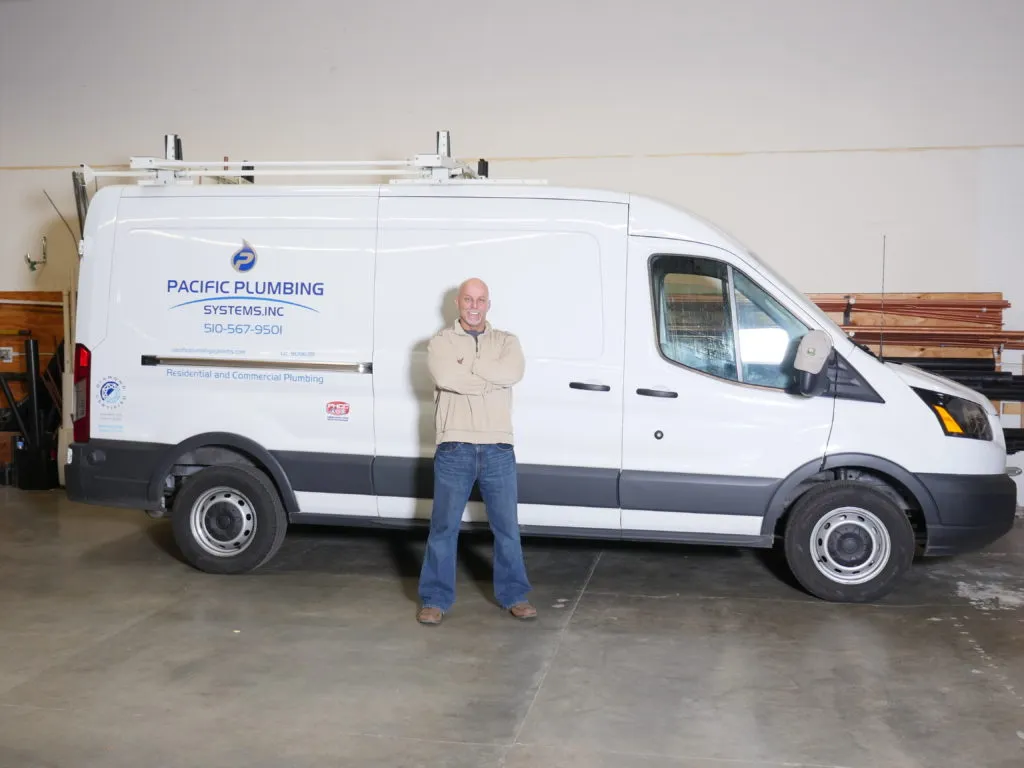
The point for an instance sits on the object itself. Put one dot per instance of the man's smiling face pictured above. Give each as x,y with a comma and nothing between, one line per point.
473,301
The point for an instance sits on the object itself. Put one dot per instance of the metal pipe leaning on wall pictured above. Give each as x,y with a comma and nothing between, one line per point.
13,405
35,439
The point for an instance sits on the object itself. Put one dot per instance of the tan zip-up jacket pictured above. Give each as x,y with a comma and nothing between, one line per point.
473,379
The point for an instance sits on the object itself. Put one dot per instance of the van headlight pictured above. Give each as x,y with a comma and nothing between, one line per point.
956,416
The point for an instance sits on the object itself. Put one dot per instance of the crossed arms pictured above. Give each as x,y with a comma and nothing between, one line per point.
476,376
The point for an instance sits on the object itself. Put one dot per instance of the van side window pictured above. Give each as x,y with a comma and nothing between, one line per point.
714,319
694,318
768,334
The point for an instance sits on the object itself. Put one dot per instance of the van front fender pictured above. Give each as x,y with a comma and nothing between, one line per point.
793,485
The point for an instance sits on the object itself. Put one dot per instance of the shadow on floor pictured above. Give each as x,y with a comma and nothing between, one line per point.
332,550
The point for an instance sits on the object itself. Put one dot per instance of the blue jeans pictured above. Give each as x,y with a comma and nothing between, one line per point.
457,466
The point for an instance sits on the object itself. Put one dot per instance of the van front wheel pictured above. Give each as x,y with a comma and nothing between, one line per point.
228,519
849,543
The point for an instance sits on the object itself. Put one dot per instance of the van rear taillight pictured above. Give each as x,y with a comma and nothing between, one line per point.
83,368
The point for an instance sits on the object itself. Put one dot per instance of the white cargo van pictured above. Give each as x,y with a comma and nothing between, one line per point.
249,356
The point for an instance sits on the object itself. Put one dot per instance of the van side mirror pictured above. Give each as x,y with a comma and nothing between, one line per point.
812,355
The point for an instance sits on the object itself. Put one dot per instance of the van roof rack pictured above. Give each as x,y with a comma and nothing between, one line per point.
422,168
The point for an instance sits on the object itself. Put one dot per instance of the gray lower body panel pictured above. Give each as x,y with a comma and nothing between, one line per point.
964,512
118,472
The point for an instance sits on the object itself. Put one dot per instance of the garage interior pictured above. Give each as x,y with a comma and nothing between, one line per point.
871,153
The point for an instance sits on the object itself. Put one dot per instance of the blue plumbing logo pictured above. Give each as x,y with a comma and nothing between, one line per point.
111,392
244,258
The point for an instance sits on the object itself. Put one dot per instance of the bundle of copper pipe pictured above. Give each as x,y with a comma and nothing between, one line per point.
986,312
870,318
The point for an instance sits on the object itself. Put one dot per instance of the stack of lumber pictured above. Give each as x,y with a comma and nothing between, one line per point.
924,324
956,335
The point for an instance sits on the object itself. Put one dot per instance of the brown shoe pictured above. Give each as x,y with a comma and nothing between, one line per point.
430,616
523,611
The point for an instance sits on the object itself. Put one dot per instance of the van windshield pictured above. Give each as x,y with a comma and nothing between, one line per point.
762,266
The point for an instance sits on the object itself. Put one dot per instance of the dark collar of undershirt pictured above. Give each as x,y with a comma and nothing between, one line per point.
474,334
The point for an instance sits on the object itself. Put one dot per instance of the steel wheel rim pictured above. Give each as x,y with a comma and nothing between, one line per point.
223,522
850,545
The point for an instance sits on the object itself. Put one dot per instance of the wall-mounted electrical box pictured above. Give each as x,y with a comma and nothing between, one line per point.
6,354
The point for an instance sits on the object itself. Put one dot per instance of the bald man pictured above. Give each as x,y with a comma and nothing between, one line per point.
474,367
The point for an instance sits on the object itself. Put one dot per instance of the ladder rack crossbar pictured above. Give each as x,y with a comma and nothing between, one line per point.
265,172
160,164
164,171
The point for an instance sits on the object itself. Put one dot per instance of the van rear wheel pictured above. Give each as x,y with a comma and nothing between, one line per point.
846,542
228,519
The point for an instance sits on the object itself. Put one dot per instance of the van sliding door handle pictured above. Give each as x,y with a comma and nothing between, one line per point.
656,393
589,387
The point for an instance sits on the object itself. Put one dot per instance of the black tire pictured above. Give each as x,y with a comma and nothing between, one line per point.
222,539
867,558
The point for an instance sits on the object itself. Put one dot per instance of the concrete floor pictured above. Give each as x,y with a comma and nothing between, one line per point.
114,653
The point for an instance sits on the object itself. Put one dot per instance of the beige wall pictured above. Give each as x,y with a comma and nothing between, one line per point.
809,128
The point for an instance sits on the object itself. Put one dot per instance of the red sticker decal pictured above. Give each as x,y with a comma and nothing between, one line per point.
337,410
